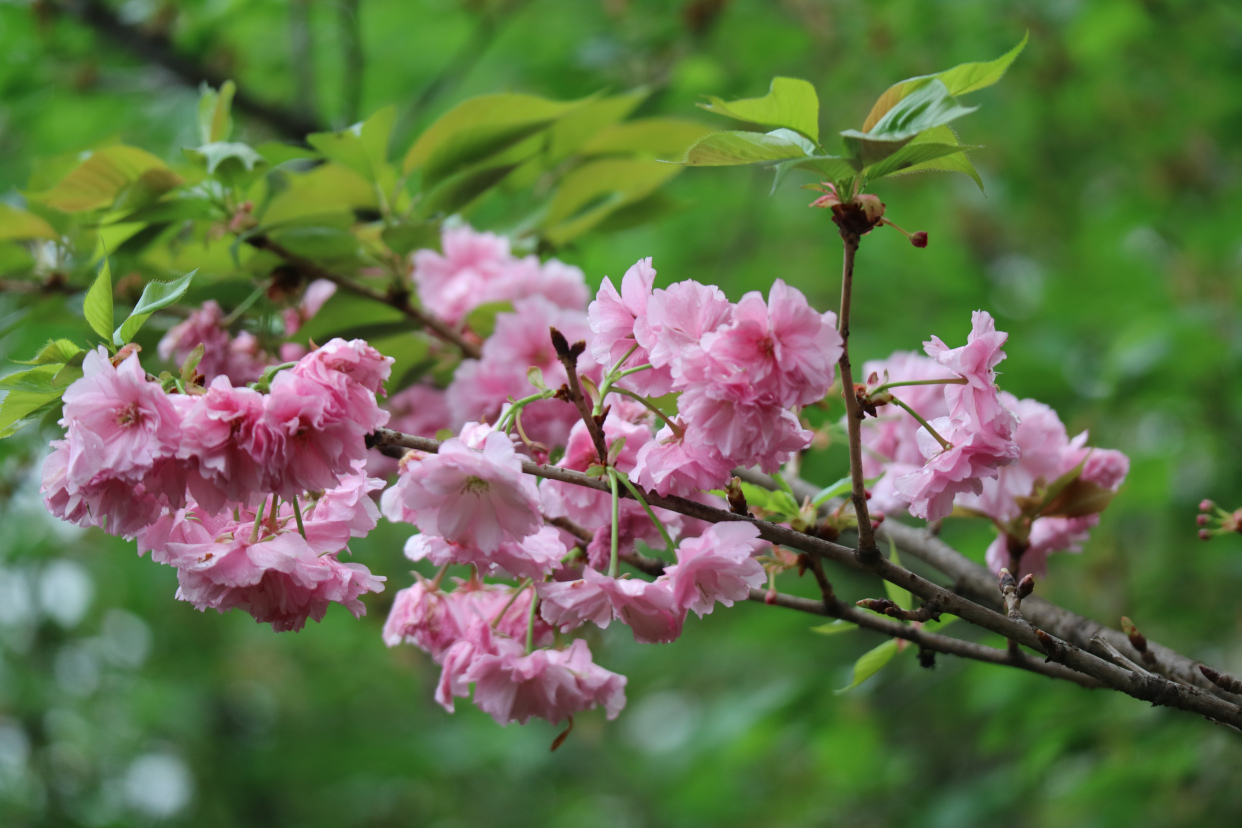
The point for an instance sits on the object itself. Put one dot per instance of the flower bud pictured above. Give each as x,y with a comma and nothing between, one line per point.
1206,505
1205,534
1202,520
919,238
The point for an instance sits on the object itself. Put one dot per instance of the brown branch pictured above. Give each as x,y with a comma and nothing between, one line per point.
568,355
399,301
157,48
926,640
1156,690
927,612
977,583
867,551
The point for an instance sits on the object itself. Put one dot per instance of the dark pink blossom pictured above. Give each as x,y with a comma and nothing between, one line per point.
534,556
239,358
648,608
677,319
741,424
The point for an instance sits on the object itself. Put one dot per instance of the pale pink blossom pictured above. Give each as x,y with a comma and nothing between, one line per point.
971,457
741,424
613,316
119,507
119,423
224,445
350,369
420,409
547,684
784,346
977,402
719,565
534,556
1047,535
475,497
317,293
421,615
670,467
342,512
677,319
648,608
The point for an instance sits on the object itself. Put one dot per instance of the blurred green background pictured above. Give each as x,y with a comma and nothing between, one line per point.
1109,245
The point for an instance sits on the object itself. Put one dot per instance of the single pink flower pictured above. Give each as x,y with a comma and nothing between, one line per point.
672,466
677,319
613,316
422,616
220,433
719,565
976,402
742,425
972,456
534,556
239,359
475,497
646,607
547,684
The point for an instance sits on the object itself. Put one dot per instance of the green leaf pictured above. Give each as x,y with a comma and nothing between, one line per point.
406,237
317,241
900,597
928,106
834,628
947,155
790,103
97,307
18,225
457,191
724,149
960,80
19,409
662,137
155,296
110,176
590,192
38,380
773,502
829,492
567,135
362,147
958,163
215,118
911,154
871,662
481,126
191,363
482,320
55,351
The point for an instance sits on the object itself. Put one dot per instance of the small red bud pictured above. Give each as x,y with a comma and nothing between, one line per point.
867,494
1202,520
770,598
1206,506
919,239
1205,534
1026,586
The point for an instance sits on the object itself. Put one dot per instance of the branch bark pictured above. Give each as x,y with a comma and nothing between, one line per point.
1154,689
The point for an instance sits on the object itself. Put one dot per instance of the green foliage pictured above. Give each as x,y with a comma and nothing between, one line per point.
97,306
155,296
791,103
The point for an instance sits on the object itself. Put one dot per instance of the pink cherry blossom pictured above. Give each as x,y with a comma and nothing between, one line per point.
719,565
972,456
741,424
1047,535
225,446
240,359
671,467
317,294
784,345
119,507
647,607
421,615
547,684
475,497
977,401
534,556
613,316
676,320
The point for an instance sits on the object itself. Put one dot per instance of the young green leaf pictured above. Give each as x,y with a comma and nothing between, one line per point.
215,118
38,380
727,149
960,80
229,154
155,296
900,597
834,628
55,351
660,137
457,191
870,663
18,225
482,126
930,105
97,307
790,103
362,147
590,192
19,409
108,175
829,492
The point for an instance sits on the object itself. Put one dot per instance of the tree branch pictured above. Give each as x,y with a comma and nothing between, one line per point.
158,49
400,301
1156,690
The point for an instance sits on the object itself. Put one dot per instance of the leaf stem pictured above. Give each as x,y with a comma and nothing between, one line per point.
297,514
613,562
258,521
678,430
944,444
659,524
954,381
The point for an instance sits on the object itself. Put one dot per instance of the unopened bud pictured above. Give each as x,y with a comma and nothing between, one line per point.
1206,505
1007,580
876,520
1205,534
919,238
867,494
1026,586
871,205
1202,520
770,597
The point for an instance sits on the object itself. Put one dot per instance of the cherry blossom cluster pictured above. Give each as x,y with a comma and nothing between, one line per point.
239,357
993,455
192,475
474,505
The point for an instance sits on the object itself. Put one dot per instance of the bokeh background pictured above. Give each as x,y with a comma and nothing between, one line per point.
1109,245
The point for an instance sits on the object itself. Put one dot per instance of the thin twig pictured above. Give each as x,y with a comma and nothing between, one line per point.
568,355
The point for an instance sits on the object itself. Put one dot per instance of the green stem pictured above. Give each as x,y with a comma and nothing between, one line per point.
629,371
258,521
610,377
530,624
245,304
954,381
668,541
614,562
506,422
944,444
678,430
297,514
520,588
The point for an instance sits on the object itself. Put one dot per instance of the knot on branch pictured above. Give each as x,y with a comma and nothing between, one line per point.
1014,591
1054,650
929,611
1139,642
